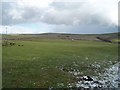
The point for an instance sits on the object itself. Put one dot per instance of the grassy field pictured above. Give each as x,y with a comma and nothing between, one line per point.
46,63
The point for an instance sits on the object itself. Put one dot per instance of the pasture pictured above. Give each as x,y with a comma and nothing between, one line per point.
45,63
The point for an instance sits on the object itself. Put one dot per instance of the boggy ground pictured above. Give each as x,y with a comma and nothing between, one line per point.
47,63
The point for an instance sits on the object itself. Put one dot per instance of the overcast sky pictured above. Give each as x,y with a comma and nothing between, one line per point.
63,16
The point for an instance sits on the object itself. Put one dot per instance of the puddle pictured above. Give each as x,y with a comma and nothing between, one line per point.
109,79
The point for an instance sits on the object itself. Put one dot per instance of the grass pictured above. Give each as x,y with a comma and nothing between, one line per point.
38,62
116,40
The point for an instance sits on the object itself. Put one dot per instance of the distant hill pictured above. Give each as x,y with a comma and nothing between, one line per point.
109,37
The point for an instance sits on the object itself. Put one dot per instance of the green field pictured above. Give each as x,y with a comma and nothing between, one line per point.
45,63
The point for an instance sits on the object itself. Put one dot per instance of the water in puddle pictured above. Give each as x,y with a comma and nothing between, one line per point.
109,79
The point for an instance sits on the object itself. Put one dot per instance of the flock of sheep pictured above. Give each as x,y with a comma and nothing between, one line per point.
7,43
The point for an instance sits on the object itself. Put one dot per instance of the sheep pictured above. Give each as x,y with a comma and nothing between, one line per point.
12,43
20,45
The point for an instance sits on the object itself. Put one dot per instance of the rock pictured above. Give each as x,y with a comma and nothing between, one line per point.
87,78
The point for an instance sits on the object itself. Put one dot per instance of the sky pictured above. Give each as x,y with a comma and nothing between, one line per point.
59,16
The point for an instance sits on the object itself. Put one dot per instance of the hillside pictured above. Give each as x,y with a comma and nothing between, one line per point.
110,37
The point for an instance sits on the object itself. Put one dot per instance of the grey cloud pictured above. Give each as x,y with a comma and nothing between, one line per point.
27,14
89,29
58,18
6,19
32,14
58,13
69,13
119,15
67,5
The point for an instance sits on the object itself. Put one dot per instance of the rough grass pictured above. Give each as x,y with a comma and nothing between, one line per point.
116,40
38,63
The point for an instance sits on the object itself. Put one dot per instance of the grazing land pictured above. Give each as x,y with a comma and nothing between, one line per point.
55,60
